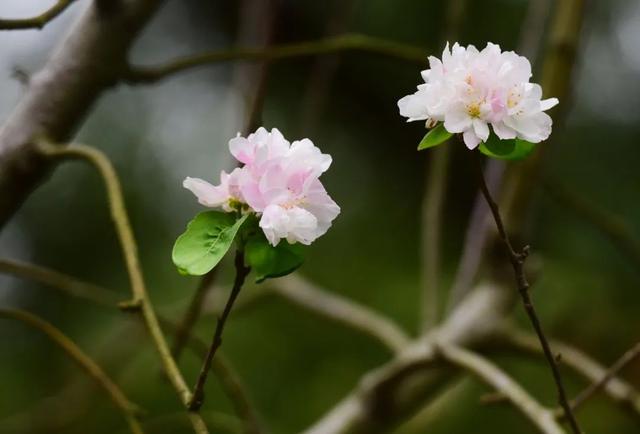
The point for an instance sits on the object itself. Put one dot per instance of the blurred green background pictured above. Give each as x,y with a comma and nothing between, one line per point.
296,366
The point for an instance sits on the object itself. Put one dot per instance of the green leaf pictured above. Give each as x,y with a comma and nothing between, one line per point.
268,261
206,240
514,149
436,136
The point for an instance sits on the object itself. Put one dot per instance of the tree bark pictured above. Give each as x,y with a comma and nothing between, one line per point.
87,62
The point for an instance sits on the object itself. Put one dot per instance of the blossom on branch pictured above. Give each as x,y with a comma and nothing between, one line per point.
468,90
279,182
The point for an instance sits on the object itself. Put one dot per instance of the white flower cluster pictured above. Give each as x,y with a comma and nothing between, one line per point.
279,182
470,89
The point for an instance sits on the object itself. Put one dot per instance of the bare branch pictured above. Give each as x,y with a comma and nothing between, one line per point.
616,389
628,357
431,229
140,302
517,262
349,42
386,395
64,282
543,418
303,293
190,317
198,391
70,285
37,22
616,229
128,410
86,62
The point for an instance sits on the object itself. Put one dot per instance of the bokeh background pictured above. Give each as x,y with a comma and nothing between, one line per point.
295,365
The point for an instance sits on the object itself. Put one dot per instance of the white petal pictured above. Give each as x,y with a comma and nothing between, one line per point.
546,104
470,139
414,107
481,129
503,132
457,120
207,194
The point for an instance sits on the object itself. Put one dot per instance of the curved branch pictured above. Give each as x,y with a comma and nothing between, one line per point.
129,410
611,225
628,357
517,258
303,293
621,392
140,302
86,62
349,42
398,388
543,418
65,283
37,22
70,285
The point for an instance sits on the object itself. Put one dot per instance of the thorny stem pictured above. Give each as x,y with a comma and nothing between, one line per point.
140,302
198,391
517,260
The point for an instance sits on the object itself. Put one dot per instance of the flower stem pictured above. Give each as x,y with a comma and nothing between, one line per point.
241,273
517,260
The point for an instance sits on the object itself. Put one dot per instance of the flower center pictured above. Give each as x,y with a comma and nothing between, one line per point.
473,110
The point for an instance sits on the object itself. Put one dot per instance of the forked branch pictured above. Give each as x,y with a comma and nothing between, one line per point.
37,22
128,410
349,42
517,262
542,418
140,302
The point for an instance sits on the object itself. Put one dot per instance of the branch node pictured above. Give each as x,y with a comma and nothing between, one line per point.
133,305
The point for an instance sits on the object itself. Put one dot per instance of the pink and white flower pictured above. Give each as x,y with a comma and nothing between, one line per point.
469,90
279,182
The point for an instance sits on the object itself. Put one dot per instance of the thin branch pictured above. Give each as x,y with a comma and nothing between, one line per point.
303,293
64,282
628,357
129,410
198,391
231,384
140,302
87,61
517,262
431,229
348,42
70,285
388,394
37,22
183,330
615,228
621,392
542,418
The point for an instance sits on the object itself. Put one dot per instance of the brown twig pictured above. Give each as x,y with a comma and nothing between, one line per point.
198,391
542,418
615,228
517,260
299,291
140,302
628,357
70,285
183,330
129,410
349,42
37,22
618,390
